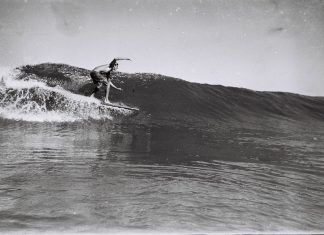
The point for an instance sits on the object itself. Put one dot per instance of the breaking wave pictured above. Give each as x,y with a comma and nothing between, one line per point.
31,100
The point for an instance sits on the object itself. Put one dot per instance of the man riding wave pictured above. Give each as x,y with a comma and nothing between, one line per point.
103,74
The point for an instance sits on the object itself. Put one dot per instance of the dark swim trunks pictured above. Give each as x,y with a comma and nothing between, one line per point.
98,78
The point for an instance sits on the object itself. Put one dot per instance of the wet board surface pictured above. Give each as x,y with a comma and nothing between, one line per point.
120,106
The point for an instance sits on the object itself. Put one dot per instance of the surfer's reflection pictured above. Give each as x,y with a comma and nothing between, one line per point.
182,145
123,141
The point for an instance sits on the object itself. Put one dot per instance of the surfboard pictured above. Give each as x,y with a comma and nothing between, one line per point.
120,106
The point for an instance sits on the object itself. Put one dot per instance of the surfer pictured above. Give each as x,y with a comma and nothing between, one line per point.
103,74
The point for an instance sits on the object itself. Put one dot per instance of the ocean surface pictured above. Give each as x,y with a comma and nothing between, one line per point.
197,158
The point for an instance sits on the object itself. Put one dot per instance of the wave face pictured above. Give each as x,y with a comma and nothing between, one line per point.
65,89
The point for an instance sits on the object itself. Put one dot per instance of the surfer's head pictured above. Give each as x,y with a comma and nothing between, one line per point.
113,65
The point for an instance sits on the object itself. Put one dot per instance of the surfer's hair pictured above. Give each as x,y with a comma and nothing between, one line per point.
113,63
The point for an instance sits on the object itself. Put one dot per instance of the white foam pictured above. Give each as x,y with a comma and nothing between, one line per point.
10,82
49,116
17,102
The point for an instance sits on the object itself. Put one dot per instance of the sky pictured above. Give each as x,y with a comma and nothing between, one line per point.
274,45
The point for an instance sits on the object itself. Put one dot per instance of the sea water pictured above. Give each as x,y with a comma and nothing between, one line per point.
65,173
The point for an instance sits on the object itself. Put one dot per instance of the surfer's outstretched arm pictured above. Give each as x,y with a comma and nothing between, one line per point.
115,86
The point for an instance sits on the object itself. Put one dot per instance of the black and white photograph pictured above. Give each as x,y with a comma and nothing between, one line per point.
161,117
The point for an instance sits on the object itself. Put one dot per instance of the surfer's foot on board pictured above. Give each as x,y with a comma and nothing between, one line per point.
106,101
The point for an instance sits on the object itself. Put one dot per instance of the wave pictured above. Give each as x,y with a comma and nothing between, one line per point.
64,89
28,98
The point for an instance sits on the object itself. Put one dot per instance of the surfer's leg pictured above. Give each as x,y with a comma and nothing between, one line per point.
107,92
94,91
97,81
